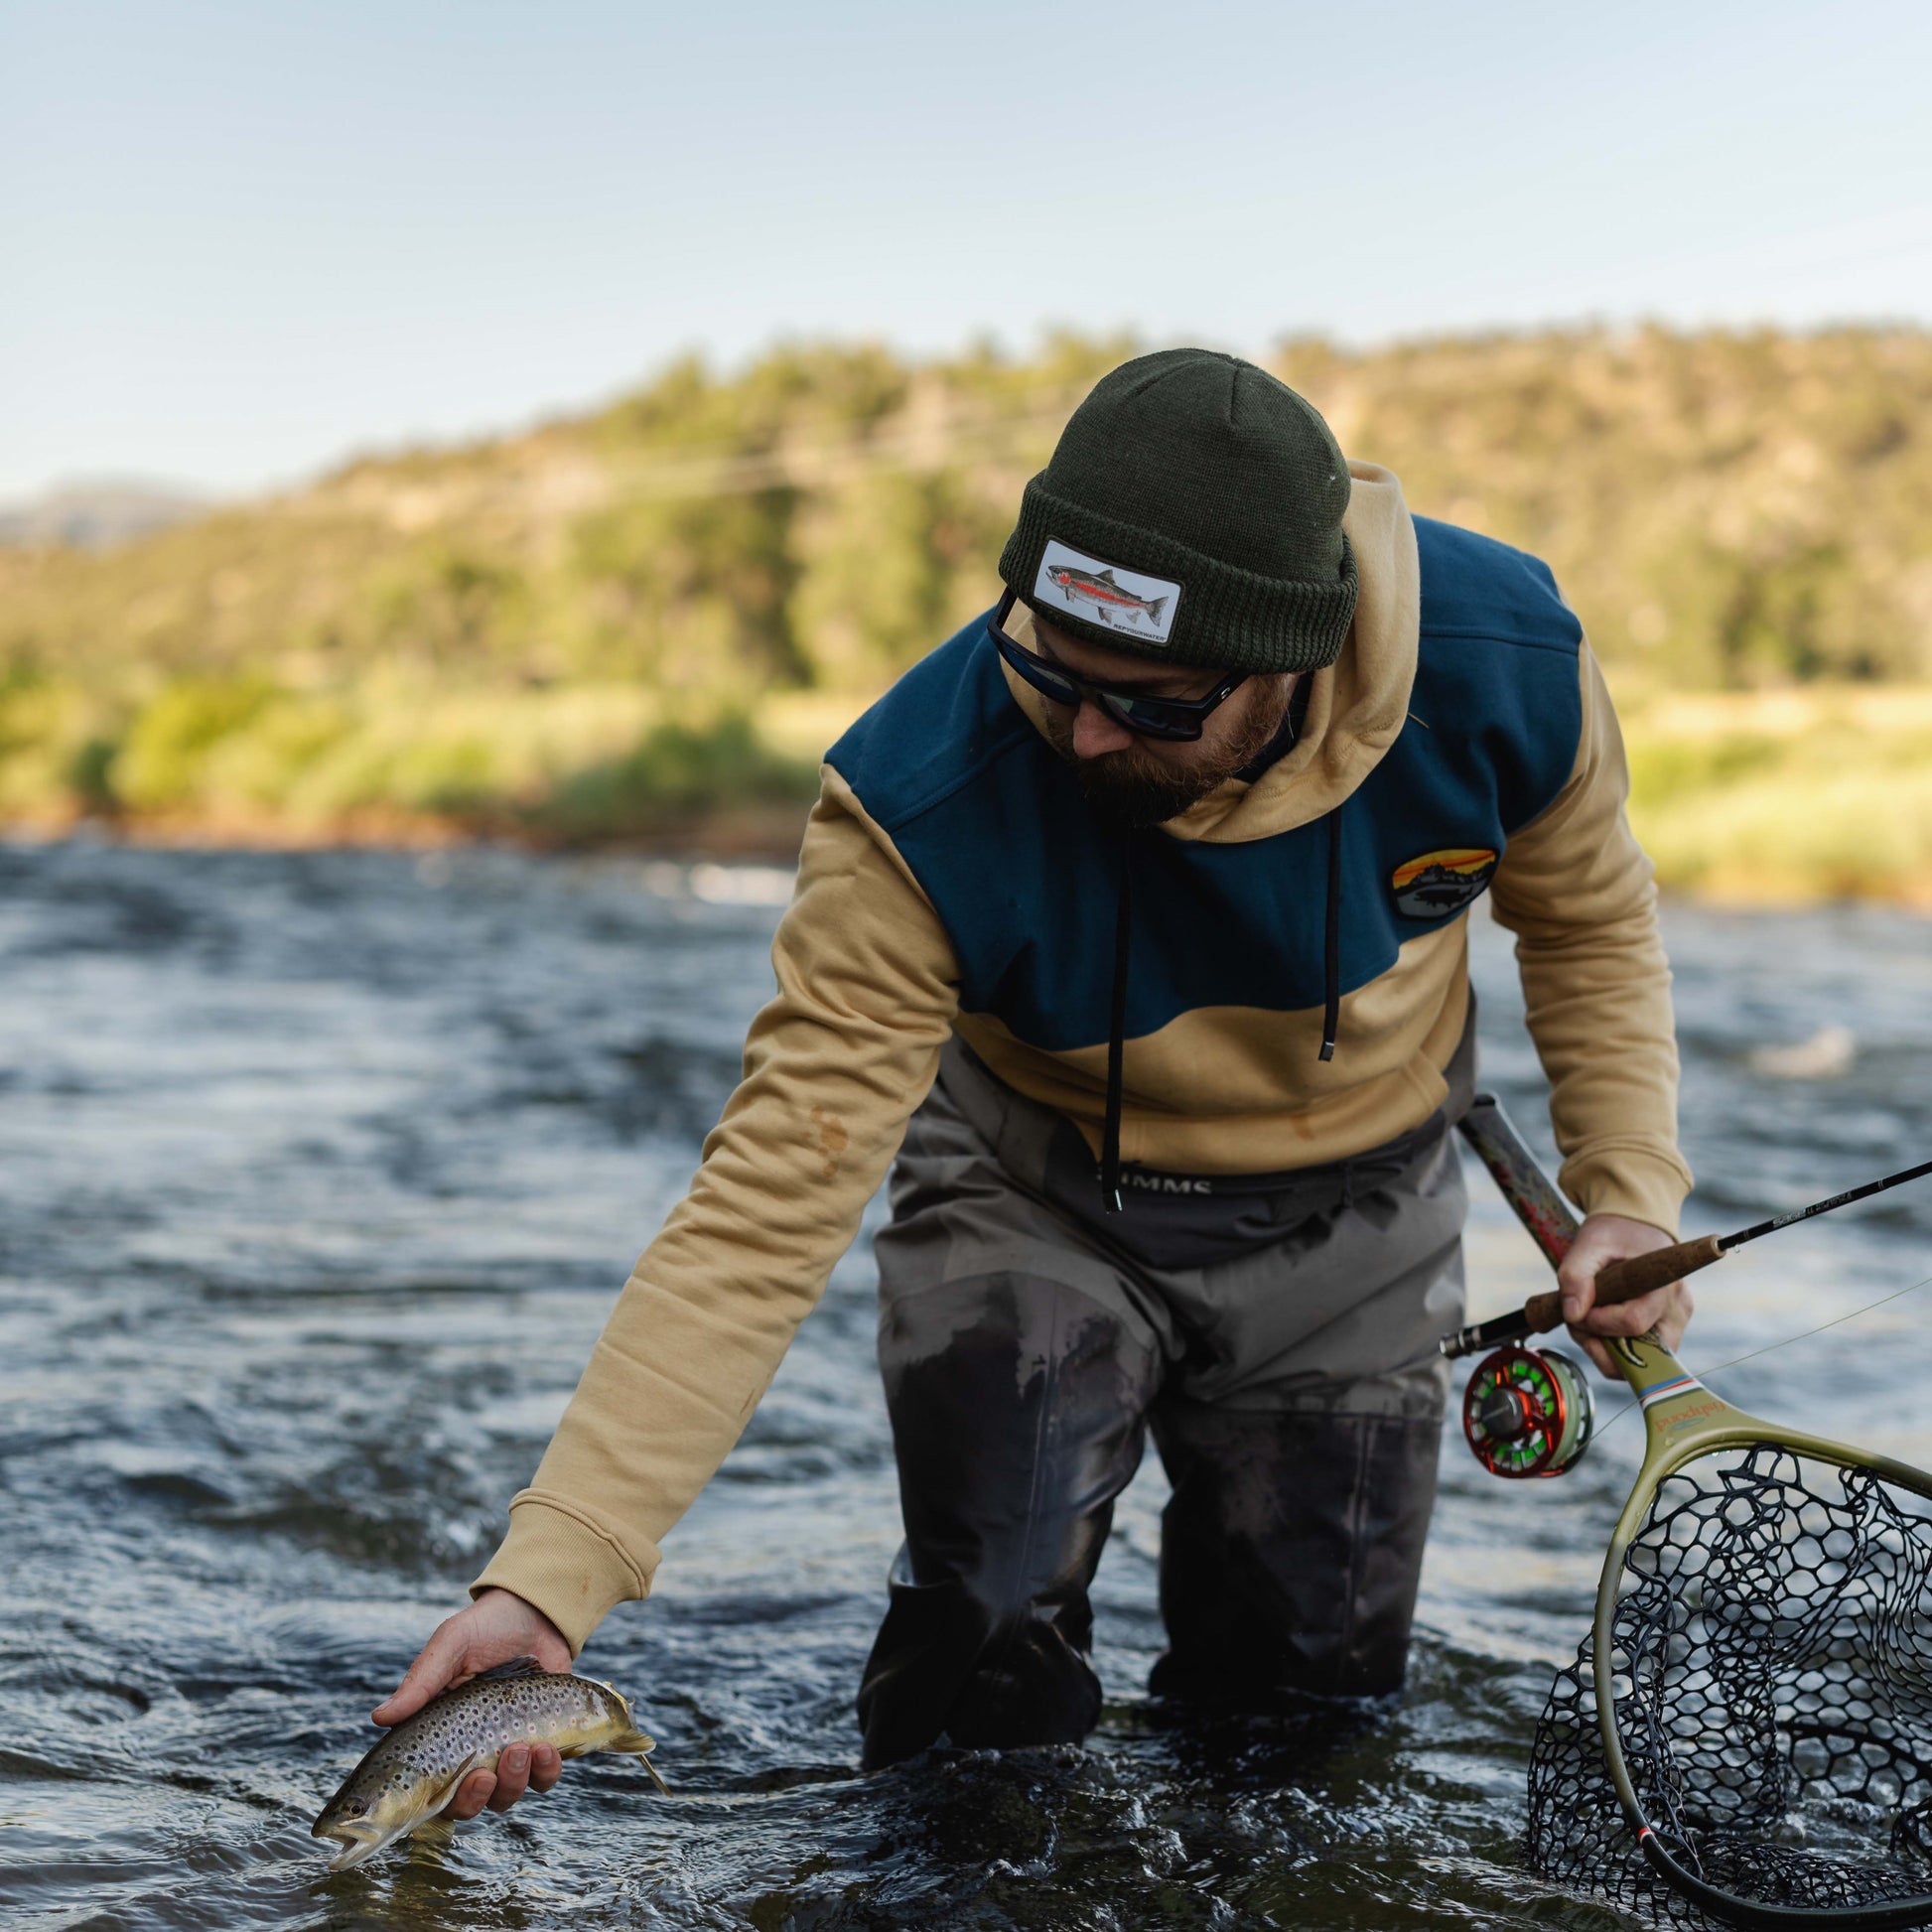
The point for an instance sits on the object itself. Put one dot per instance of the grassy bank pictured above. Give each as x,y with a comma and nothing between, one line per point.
1787,797
250,761
1823,791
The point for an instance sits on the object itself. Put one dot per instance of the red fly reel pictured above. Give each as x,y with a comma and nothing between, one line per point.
1528,1412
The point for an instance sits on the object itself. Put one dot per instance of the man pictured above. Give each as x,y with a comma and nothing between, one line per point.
1141,901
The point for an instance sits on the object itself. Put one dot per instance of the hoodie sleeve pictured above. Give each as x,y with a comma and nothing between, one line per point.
1577,889
834,1068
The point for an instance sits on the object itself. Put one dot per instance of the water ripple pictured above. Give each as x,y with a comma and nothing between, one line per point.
320,1176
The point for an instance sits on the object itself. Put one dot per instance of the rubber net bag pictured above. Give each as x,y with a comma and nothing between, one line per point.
1772,1690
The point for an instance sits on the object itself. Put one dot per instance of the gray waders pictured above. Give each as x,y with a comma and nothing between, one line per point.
1029,1341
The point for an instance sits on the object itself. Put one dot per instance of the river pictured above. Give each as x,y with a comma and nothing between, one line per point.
318,1173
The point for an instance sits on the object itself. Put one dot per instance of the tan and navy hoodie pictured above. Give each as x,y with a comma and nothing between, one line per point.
953,881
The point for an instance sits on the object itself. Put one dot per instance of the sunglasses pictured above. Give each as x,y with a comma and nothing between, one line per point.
1178,720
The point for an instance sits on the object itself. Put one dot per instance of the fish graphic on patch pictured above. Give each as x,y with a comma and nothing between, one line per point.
1100,589
1124,599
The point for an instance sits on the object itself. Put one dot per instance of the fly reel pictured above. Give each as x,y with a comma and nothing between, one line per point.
1528,1412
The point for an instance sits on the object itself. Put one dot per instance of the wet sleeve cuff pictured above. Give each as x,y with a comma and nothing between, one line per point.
1639,1182
575,1571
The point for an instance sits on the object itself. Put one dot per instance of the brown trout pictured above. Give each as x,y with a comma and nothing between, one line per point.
414,1771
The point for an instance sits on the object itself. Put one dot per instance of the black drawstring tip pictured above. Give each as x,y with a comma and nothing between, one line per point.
1109,1175
1331,943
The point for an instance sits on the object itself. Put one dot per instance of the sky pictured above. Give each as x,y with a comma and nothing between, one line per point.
240,241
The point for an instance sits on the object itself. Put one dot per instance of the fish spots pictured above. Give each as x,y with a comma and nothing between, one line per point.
833,1139
411,1773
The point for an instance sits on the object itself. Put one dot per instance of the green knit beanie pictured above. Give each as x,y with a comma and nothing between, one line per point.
1192,513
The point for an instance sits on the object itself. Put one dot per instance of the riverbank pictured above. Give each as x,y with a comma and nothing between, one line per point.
1787,797
640,625
404,762
1759,799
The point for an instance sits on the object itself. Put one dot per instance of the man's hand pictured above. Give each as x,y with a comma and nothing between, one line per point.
494,1628
1601,1239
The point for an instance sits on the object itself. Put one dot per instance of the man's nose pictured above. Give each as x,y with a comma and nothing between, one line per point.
1095,734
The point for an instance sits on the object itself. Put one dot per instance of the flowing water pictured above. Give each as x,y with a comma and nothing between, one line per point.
318,1173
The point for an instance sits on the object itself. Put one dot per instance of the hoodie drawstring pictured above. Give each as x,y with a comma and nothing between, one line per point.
1110,1174
1110,1186
1331,942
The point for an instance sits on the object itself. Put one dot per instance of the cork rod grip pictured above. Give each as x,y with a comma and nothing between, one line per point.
1624,1281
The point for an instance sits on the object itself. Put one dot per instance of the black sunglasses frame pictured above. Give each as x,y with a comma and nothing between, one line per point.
1177,721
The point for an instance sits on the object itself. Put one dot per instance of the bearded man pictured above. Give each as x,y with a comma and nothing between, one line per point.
1131,922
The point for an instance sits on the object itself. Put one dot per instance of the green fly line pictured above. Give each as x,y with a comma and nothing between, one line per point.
1771,1348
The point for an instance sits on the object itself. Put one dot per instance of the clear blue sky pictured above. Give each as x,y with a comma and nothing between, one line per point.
240,238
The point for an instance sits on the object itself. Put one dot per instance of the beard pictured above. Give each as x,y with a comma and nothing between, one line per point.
1139,788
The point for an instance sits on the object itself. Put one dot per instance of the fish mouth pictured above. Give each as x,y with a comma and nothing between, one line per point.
359,1842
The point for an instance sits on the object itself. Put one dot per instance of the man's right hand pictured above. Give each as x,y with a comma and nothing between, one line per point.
494,1628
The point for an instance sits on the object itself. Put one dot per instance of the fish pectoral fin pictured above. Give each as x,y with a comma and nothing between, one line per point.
445,1797
634,1744
434,1831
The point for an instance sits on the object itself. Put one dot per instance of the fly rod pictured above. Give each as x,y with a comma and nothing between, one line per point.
1544,1212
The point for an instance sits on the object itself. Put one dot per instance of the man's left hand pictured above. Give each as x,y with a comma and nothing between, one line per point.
1602,1239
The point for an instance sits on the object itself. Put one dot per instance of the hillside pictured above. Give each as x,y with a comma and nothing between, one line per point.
615,621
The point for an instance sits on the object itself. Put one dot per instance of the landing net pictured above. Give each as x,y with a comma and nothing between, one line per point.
1773,1694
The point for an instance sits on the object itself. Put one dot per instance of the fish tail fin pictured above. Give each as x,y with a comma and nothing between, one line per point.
635,1744
1154,609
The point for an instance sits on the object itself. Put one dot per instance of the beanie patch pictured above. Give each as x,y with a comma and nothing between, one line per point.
1099,592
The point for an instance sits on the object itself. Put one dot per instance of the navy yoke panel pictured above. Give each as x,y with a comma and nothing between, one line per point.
992,823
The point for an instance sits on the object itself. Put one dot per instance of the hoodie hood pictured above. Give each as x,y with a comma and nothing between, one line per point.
1357,707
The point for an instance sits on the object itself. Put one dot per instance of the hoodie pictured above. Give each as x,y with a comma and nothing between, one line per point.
1286,987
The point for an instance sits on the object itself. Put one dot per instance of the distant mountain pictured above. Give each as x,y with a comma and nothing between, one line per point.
96,515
